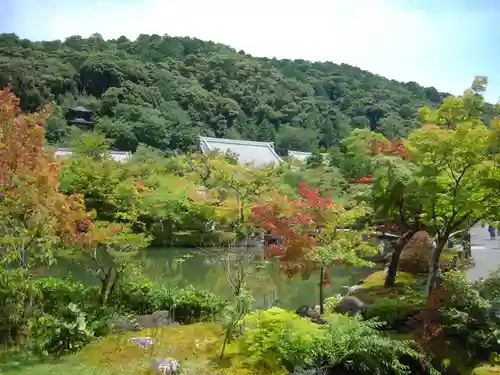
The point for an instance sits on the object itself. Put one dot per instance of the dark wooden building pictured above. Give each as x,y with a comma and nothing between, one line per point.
81,117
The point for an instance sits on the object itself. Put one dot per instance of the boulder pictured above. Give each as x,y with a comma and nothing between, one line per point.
311,313
416,254
154,320
351,305
122,323
138,322
165,365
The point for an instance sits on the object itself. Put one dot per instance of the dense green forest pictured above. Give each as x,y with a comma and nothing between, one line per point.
166,91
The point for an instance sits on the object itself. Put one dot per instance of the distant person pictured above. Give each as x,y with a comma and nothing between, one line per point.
493,232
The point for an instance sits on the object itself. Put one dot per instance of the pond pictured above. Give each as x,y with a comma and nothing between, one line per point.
203,268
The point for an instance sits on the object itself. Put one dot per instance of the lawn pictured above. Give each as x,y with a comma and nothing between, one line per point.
196,346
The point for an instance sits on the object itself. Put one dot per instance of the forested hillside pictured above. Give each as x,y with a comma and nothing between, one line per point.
166,91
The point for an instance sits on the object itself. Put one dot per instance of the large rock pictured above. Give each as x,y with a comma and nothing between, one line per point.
138,322
416,254
351,305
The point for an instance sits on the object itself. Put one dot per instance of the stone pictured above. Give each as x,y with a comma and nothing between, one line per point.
138,322
165,365
311,313
416,254
352,289
122,323
162,318
143,342
157,319
351,305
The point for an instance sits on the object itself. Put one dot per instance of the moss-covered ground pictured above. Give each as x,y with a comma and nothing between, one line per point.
197,346
486,370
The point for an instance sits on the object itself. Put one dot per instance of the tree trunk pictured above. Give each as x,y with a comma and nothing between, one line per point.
434,265
107,286
392,270
321,292
113,285
104,287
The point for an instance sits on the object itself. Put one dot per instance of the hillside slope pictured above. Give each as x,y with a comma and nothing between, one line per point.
165,91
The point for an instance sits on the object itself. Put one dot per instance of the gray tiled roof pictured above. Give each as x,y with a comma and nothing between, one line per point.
258,153
300,155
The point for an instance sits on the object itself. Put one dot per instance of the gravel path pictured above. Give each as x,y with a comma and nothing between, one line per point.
486,253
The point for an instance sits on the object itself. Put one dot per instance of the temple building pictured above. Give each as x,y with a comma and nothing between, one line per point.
260,154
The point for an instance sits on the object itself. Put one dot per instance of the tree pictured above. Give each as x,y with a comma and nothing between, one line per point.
166,91
445,177
36,216
93,145
243,184
396,211
316,233
457,180
106,252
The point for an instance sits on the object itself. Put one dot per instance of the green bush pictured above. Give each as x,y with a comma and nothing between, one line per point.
66,332
57,293
358,347
469,317
277,337
15,296
42,306
389,310
139,296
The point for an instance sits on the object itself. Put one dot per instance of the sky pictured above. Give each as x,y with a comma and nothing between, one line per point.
440,43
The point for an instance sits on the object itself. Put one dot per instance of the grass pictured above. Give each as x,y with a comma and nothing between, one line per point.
486,370
378,279
196,346
373,289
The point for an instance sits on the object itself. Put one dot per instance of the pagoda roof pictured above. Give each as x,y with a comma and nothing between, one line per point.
80,108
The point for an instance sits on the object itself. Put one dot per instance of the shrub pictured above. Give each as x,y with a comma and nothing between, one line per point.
389,311
357,346
186,304
277,337
15,295
140,296
57,293
66,332
469,317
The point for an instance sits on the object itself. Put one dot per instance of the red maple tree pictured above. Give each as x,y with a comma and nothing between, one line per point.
295,222
312,233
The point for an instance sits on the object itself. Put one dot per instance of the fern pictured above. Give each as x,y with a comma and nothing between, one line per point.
357,346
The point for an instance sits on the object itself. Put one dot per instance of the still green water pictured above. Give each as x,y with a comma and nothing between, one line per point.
203,269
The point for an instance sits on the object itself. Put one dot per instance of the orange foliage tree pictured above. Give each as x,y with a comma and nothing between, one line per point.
35,215
389,147
315,232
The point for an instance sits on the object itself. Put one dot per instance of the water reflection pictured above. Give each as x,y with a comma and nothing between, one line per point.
203,268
